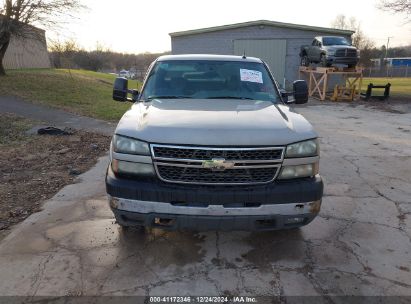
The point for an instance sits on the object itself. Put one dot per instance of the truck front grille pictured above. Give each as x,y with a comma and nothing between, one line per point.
185,164
206,176
346,53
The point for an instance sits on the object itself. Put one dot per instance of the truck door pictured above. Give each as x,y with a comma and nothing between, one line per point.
311,50
315,50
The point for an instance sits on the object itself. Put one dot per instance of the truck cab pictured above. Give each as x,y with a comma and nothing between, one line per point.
211,143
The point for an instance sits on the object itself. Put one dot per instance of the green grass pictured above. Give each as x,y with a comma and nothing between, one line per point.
82,92
400,87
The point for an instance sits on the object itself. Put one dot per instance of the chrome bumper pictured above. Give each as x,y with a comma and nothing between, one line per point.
147,207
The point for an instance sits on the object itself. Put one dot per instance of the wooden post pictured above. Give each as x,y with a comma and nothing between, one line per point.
325,85
318,80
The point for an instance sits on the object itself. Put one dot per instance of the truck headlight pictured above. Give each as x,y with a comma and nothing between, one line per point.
122,144
299,171
130,168
303,149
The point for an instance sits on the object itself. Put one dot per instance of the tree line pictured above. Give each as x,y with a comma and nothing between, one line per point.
70,55
367,47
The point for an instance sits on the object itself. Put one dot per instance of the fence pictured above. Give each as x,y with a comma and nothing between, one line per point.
387,71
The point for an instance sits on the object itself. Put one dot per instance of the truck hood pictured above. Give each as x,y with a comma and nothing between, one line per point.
214,122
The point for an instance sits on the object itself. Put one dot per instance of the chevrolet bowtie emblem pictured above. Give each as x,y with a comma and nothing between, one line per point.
217,164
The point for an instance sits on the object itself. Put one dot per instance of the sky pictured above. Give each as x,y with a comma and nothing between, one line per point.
135,26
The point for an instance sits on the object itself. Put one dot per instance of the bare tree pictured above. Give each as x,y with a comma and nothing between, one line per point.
359,39
18,18
344,23
62,53
397,7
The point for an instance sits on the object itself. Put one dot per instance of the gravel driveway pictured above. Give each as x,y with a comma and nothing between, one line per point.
359,245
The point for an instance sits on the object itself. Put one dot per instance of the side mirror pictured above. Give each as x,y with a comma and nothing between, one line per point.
300,91
120,89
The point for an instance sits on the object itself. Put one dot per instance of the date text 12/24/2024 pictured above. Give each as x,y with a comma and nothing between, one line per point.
203,299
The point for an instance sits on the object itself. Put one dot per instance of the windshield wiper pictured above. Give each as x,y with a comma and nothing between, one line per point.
167,97
229,97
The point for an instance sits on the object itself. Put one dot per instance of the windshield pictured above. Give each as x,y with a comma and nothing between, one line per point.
335,41
206,79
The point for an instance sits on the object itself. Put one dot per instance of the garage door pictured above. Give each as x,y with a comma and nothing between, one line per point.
272,51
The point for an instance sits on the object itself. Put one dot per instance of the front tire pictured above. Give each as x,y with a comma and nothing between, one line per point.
305,61
324,62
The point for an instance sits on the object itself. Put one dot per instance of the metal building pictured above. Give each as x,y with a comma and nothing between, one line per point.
25,53
278,44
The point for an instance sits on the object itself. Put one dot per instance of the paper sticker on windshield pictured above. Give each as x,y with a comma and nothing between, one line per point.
251,76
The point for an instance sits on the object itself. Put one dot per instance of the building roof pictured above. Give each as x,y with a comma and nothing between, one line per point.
263,23
28,26
208,57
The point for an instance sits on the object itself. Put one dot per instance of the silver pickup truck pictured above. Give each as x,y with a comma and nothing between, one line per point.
330,50
210,143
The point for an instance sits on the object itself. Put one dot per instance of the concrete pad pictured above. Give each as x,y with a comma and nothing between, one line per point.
371,210
323,228
297,284
335,256
384,250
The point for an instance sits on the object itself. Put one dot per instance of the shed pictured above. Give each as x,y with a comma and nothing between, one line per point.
277,43
27,51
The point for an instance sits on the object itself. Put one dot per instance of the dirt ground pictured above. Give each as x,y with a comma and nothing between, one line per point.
393,105
396,105
33,168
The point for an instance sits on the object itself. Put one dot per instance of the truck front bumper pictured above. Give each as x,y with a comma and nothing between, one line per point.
278,205
214,217
342,60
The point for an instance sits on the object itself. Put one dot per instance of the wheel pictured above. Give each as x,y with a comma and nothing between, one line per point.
324,62
305,61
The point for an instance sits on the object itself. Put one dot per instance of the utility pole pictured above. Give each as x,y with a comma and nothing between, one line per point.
386,49
386,54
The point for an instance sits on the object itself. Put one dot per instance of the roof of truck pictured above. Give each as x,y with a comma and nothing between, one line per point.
209,57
